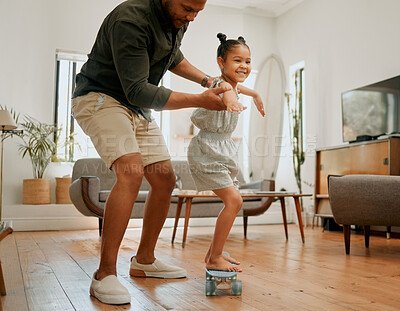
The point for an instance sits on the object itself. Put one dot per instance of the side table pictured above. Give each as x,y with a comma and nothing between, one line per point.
187,196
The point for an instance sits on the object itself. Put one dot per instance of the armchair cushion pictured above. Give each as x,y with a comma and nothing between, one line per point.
365,199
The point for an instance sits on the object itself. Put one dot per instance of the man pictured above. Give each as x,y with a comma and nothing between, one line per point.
116,88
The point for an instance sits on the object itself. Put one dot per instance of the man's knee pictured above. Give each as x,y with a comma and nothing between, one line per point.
129,169
161,176
170,180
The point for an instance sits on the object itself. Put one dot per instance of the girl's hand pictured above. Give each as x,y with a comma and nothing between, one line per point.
235,106
211,98
259,104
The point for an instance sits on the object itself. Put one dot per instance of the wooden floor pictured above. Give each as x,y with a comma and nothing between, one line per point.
52,270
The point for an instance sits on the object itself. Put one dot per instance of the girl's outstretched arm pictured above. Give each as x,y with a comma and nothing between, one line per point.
256,97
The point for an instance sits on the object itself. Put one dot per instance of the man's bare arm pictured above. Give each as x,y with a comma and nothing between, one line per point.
186,70
209,99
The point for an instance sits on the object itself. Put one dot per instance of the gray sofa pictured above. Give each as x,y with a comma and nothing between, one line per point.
364,200
92,182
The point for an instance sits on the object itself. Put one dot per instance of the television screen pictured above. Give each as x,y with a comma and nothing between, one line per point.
372,110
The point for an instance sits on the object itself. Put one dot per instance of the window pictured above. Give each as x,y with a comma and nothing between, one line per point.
72,142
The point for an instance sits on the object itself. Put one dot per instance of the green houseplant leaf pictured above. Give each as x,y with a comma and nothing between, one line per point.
38,143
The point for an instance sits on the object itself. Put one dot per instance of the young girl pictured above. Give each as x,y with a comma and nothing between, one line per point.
212,151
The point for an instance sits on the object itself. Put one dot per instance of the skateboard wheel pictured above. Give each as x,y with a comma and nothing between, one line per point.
210,288
236,287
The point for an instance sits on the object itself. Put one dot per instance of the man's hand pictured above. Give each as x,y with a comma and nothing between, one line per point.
212,100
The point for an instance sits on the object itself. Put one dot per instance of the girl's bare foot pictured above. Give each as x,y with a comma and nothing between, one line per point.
219,263
230,259
225,256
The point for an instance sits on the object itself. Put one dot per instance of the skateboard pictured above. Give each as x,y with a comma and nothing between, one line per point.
219,281
222,281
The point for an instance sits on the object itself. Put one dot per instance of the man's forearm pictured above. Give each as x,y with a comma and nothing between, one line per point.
209,99
178,100
186,70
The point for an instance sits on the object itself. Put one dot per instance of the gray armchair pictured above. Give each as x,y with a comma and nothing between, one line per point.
92,182
365,200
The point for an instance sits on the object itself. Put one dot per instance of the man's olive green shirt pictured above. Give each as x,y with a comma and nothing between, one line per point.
135,46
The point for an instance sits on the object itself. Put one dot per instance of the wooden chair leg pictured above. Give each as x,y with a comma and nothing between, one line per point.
283,208
100,226
367,230
177,215
2,285
324,222
245,218
388,231
3,292
299,217
187,216
346,233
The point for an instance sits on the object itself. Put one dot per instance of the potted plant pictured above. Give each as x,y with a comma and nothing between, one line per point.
295,130
37,143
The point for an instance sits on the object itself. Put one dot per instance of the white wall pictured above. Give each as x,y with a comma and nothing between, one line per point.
30,33
345,44
200,47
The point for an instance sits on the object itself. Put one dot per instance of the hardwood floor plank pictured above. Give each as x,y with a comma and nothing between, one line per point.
42,289
84,248
52,270
15,298
69,274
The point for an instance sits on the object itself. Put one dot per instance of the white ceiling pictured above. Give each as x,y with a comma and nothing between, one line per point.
271,8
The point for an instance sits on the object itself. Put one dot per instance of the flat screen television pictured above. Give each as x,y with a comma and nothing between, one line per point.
371,111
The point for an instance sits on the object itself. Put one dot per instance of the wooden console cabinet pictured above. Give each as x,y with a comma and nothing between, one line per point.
377,157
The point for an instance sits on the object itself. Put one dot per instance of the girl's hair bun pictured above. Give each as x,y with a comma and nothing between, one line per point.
241,39
226,45
221,37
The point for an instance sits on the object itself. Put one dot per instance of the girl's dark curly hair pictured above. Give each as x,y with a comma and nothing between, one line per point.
226,45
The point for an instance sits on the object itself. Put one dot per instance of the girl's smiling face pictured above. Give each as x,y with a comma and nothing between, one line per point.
236,66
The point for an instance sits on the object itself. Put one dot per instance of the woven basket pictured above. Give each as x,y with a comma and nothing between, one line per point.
62,190
36,191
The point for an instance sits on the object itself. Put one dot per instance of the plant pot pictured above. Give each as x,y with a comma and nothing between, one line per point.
36,191
62,190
